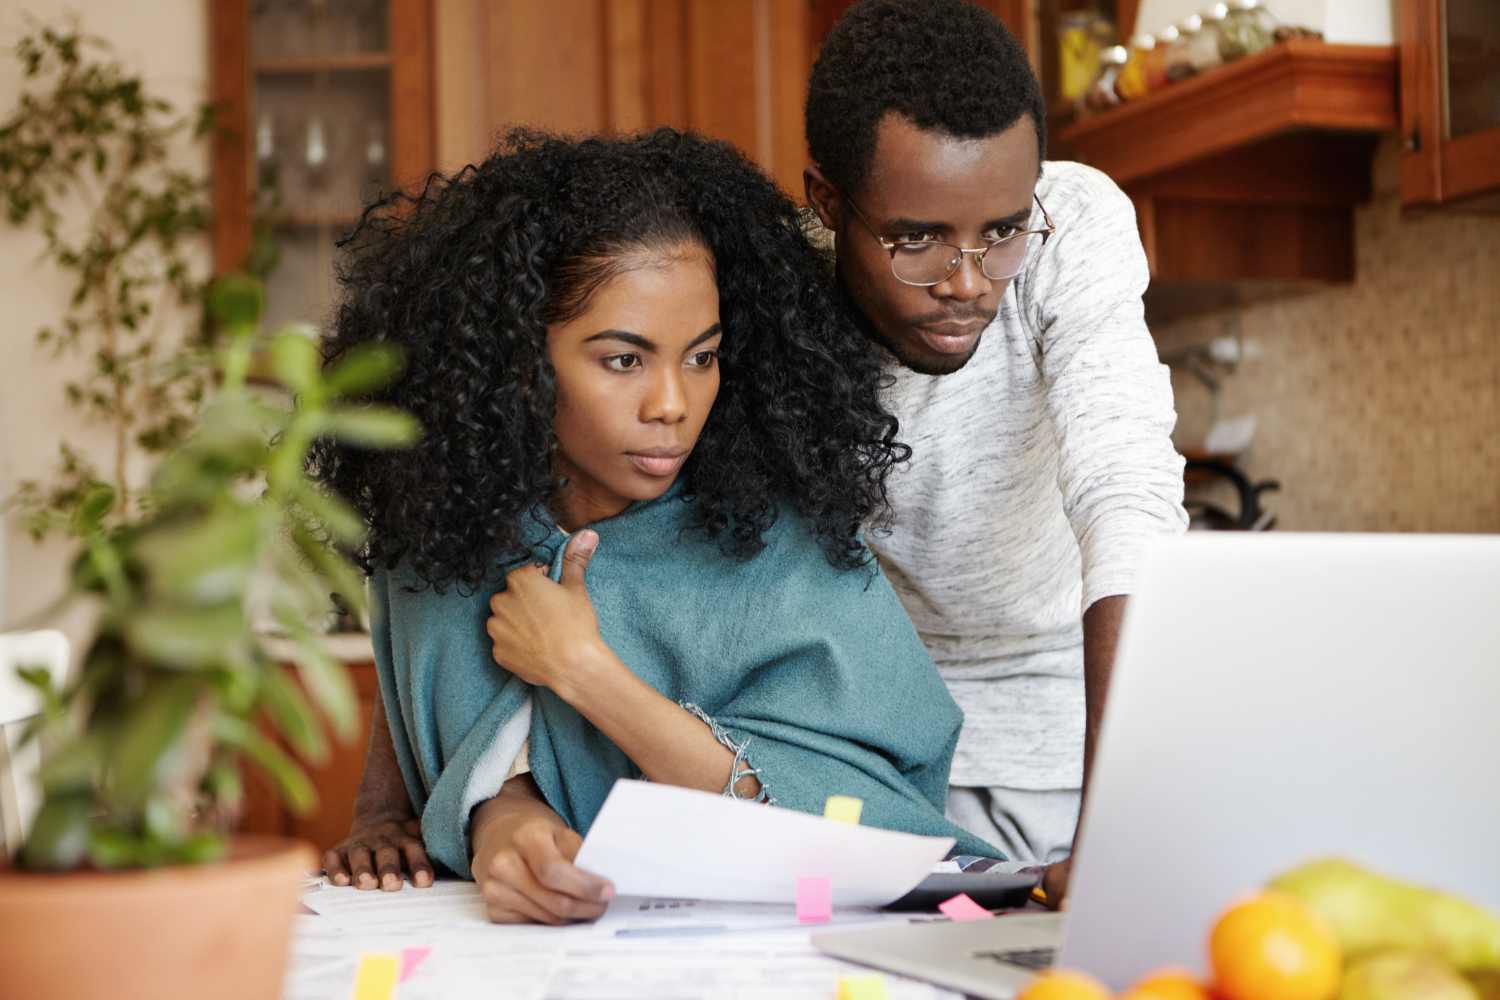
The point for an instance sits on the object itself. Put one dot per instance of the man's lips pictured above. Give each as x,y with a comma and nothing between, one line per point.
951,338
657,461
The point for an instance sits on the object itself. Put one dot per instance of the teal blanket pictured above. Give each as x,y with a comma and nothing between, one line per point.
818,668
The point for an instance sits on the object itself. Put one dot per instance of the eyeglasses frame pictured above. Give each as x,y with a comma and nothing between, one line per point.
893,245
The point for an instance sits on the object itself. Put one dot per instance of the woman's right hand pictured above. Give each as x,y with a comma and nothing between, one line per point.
375,851
525,871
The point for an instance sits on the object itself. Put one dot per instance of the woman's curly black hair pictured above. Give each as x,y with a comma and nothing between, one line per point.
466,277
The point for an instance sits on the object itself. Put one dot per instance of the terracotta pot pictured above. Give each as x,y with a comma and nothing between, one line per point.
186,932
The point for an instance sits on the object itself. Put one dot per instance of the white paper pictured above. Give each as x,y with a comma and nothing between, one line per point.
445,901
645,917
485,961
664,841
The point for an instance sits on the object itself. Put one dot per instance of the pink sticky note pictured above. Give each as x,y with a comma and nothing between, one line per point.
411,958
814,899
961,907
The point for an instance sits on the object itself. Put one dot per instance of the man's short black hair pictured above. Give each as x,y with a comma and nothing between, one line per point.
946,64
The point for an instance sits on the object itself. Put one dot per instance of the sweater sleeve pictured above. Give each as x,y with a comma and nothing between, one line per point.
1108,397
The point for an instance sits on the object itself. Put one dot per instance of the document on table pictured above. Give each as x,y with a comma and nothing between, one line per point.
642,917
663,841
484,961
444,902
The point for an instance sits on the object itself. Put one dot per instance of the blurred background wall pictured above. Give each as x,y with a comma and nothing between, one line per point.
169,49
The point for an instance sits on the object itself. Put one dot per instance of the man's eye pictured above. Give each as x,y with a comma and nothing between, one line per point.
703,359
622,362
1001,233
921,236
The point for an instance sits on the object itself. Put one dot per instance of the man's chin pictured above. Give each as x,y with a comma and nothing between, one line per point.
925,361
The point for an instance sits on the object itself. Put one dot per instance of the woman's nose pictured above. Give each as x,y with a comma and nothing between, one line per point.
666,398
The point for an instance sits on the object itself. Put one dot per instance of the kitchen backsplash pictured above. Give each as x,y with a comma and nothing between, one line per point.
1378,403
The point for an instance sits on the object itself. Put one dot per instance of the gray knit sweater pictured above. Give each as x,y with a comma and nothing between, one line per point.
1039,472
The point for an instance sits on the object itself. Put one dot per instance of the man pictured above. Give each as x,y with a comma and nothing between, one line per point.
1004,295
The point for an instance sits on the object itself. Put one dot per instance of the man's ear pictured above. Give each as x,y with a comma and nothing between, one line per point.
823,197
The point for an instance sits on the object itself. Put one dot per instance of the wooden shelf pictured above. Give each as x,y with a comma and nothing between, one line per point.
334,62
1298,84
334,219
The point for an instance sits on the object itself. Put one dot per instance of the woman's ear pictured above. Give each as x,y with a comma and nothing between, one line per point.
824,198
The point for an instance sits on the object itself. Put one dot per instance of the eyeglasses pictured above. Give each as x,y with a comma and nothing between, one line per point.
928,262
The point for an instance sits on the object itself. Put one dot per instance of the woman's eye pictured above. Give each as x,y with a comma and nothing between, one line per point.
622,362
703,359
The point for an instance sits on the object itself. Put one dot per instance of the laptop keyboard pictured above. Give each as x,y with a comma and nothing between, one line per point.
1026,958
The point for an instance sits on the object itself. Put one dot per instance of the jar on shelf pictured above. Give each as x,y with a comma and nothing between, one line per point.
1179,55
1203,51
1132,84
1101,94
1156,59
1078,54
1246,29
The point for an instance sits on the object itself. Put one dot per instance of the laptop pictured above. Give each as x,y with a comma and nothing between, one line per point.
1275,698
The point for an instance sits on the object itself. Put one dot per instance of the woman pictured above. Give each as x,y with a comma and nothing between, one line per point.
626,363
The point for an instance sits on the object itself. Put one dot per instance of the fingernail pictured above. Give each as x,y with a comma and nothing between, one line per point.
606,894
587,540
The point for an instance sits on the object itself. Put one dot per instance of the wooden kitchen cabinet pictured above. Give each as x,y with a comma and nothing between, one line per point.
1245,178
1450,102
321,105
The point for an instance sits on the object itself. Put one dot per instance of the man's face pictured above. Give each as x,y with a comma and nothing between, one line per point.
930,185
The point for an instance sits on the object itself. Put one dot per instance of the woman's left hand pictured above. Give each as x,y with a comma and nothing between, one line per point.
543,632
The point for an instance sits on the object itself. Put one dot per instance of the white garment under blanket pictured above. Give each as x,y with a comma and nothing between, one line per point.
1039,473
498,765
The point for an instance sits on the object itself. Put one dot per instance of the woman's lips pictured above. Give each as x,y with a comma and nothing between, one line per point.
656,464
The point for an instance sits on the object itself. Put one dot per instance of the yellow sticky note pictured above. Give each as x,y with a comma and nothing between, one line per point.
376,977
862,987
843,809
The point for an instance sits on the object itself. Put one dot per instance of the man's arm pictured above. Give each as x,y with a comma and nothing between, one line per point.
1101,634
384,833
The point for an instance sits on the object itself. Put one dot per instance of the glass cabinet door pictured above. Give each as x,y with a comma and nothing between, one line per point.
1471,66
1450,102
320,126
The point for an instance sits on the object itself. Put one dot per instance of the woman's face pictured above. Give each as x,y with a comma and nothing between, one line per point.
637,375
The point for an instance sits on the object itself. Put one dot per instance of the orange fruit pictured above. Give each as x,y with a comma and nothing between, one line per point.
1064,984
1271,946
1167,984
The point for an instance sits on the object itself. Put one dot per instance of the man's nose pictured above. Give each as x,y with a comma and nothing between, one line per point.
965,284
666,399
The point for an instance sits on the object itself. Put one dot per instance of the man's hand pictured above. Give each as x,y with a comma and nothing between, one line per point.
542,630
374,853
529,876
1055,883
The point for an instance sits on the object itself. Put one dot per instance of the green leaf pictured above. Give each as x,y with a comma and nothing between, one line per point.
73,767
296,362
364,369
372,426
293,714
60,834
207,562
200,849
236,300
189,638
296,791
112,848
156,724
331,512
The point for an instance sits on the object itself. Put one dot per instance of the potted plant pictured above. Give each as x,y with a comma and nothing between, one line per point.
129,884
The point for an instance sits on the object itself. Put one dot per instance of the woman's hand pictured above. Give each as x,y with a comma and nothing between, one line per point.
546,633
523,861
375,851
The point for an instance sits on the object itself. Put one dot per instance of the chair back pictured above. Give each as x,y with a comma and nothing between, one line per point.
20,795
